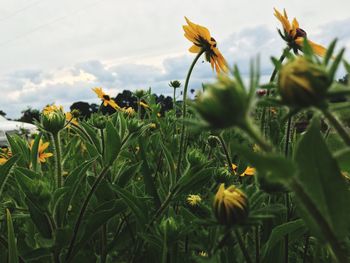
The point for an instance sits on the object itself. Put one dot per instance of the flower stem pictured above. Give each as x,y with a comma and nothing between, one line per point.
182,138
272,78
83,210
228,158
58,164
250,129
242,247
337,126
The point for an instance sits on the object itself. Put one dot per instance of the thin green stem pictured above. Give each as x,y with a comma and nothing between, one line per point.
242,246
306,247
174,100
272,79
257,244
228,157
182,138
58,160
254,134
83,210
337,126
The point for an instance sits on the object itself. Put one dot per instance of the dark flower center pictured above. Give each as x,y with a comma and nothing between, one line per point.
106,97
300,33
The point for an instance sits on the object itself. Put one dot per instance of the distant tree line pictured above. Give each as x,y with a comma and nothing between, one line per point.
124,99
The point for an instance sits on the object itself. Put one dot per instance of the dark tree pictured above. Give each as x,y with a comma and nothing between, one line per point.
29,115
84,108
2,113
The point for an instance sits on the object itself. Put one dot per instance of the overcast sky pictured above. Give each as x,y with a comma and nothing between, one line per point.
56,51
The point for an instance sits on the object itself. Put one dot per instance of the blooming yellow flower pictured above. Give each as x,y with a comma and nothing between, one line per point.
70,118
41,151
106,99
5,154
194,200
129,111
203,41
294,35
249,171
50,109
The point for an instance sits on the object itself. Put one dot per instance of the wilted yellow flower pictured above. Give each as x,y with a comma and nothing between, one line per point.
194,200
249,171
42,155
294,35
234,167
106,99
230,205
203,41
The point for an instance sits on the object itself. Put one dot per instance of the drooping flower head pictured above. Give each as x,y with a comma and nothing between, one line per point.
230,205
106,99
42,155
202,40
294,35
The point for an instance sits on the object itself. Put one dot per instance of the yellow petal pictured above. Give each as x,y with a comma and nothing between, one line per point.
194,49
283,19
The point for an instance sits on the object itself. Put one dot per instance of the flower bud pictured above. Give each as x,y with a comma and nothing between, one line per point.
213,141
98,121
230,205
196,158
134,125
140,93
222,175
53,119
175,84
170,227
223,104
302,83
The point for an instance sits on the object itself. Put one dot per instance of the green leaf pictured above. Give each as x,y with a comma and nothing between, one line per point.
136,205
12,245
320,177
127,172
294,229
170,164
5,170
112,143
34,152
336,63
329,52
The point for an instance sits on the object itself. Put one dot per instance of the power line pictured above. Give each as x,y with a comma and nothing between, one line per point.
20,10
4,43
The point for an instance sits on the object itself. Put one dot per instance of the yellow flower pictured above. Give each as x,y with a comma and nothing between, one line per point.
70,118
230,205
106,99
202,40
41,151
203,254
194,200
256,148
129,111
234,167
159,115
144,105
49,110
294,35
249,171
5,154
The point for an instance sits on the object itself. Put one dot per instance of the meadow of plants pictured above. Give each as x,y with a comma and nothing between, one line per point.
249,171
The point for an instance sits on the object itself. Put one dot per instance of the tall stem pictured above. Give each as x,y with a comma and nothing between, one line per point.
58,164
174,99
242,246
228,157
182,138
337,126
272,78
254,134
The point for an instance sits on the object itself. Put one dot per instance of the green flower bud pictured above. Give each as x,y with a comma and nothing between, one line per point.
175,84
223,104
196,158
302,83
140,93
98,121
212,141
134,125
42,193
170,227
53,119
230,205
222,175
